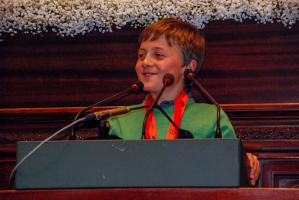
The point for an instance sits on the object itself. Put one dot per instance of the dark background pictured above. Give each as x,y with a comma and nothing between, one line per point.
244,63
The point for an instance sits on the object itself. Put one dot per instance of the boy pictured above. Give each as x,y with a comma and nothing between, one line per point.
171,46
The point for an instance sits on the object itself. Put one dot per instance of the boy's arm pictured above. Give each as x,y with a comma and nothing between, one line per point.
253,161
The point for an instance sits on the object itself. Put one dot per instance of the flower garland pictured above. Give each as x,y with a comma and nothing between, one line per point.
72,17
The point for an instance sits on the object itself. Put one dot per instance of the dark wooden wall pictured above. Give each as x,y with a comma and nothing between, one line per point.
250,69
245,63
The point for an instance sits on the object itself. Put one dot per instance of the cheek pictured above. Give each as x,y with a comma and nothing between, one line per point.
138,71
137,67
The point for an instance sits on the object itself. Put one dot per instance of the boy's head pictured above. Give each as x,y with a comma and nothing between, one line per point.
183,35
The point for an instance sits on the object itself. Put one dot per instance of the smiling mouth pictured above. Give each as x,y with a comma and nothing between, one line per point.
148,74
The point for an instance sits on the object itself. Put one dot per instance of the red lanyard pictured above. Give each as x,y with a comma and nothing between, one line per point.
180,104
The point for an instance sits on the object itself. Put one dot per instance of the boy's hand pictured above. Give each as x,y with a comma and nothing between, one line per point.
254,168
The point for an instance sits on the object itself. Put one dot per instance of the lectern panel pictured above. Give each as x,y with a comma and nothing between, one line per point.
132,163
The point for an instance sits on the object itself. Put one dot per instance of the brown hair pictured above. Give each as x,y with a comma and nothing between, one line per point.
182,34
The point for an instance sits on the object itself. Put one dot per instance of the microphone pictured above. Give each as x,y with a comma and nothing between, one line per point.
188,74
107,113
168,79
136,87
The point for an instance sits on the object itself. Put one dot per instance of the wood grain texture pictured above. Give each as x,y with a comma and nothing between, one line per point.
250,121
244,63
258,63
155,193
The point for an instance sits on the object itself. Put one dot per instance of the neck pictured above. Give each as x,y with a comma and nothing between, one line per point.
167,95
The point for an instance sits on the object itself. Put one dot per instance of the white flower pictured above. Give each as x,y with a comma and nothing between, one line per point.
72,17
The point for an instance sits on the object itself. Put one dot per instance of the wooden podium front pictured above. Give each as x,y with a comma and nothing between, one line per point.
154,193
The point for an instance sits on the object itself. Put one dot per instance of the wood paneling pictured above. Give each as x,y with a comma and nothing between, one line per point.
245,63
48,70
269,131
279,162
250,121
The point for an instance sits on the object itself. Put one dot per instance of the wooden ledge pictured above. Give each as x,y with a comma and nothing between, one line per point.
226,107
155,193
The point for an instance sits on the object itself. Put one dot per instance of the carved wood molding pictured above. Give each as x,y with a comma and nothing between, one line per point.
280,174
257,133
251,122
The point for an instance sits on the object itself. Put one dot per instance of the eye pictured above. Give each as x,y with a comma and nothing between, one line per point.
159,55
141,56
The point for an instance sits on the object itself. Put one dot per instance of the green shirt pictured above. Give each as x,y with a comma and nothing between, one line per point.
199,118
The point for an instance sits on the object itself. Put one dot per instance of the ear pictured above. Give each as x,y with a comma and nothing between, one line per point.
192,65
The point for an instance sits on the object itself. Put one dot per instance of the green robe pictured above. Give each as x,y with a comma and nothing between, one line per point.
199,118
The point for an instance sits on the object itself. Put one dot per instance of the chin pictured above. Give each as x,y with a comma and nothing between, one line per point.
151,88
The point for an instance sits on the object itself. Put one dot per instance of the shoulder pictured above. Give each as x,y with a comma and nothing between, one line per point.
203,117
192,106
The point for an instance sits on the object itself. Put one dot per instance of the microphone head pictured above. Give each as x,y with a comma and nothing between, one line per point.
184,134
188,74
168,79
137,86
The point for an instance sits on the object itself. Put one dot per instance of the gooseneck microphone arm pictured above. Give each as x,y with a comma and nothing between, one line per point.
167,81
190,75
39,145
136,87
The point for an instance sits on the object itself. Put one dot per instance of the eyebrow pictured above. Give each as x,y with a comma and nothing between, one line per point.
155,48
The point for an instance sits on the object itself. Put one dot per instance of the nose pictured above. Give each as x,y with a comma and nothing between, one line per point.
148,61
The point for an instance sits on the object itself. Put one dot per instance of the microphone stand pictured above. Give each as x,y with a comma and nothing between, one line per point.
137,86
150,109
190,75
168,80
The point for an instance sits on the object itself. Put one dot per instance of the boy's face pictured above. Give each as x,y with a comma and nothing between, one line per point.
155,59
